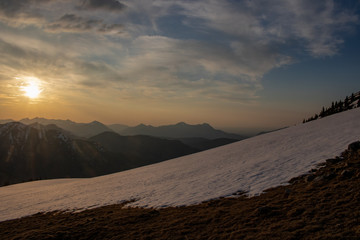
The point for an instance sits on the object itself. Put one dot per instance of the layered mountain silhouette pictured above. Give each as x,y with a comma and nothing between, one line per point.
42,148
118,127
35,151
78,129
180,130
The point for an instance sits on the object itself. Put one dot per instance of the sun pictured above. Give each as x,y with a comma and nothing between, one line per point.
32,89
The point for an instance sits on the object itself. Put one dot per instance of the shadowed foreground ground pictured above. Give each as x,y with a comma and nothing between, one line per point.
322,205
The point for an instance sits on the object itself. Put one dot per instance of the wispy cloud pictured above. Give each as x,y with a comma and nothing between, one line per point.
314,25
110,5
74,23
12,8
64,16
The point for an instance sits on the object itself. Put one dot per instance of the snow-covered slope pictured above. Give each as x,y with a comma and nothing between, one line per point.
251,165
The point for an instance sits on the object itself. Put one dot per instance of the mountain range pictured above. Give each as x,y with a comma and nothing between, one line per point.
78,129
34,151
179,130
40,148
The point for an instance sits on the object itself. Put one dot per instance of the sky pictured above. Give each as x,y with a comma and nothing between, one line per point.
241,66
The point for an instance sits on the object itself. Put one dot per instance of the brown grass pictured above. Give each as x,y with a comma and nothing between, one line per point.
322,205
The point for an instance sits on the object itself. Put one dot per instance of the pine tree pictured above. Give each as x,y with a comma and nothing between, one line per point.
340,106
337,107
322,113
352,98
347,102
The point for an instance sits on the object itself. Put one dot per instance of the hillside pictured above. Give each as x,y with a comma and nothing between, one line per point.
251,165
323,204
142,150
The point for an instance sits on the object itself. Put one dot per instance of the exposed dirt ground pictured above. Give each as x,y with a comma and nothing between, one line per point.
325,204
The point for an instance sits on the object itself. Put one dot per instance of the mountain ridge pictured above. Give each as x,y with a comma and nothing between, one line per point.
170,131
180,130
79,129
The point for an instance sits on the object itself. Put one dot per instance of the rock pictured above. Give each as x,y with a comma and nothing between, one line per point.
333,160
354,147
329,176
319,178
347,174
309,178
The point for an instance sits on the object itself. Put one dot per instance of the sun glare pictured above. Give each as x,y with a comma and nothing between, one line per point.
32,88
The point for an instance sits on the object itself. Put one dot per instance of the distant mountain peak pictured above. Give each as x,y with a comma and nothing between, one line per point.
141,125
207,125
96,123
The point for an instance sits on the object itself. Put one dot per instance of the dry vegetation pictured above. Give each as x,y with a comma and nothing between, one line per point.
325,204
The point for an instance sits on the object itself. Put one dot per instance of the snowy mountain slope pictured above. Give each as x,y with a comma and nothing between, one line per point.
251,165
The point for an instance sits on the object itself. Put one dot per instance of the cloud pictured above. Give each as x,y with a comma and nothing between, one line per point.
11,8
63,16
312,25
176,68
247,60
64,73
316,25
74,23
20,13
109,5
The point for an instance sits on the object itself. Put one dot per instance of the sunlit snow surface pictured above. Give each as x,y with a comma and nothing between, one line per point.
251,165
